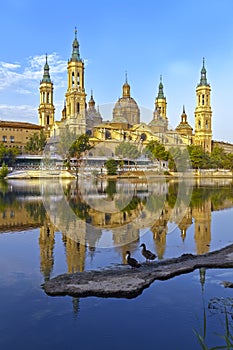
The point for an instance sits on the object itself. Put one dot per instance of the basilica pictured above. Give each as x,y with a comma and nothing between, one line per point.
126,122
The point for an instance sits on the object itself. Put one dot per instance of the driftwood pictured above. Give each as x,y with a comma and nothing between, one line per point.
124,282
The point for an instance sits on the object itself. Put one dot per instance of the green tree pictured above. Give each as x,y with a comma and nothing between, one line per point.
8,155
36,143
228,161
3,171
111,165
3,152
217,157
199,158
11,156
127,150
156,150
78,149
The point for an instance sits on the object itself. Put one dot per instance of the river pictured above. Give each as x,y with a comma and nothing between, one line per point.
49,227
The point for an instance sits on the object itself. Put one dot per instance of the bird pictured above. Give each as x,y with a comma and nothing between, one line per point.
147,253
131,261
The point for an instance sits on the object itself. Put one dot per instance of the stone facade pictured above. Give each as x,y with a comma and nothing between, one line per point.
17,134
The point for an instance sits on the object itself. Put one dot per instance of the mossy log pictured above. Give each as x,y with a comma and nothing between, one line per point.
122,281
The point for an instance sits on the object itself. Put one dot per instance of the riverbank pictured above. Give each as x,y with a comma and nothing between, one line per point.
201,173
37,174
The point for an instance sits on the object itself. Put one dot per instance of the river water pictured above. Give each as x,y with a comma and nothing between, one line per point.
52,227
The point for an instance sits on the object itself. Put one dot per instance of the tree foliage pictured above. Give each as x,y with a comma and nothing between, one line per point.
80,146
156,150
127,150
78,149
3,171
218,159
8,155
111,165
36,143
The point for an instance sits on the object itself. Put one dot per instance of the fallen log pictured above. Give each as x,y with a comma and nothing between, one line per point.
124,282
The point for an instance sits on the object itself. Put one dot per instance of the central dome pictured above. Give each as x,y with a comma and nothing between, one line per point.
126,109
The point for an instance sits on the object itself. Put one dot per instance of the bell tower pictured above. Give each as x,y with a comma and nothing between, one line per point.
75,95
160,101
161,104
203,113
46,108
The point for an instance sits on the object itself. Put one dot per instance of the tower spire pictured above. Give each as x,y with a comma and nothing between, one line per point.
46,75
126,87
203,80
160,93
75,52
126,78
91,103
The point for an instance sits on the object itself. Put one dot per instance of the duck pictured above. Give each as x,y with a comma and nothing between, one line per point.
147,253
131,261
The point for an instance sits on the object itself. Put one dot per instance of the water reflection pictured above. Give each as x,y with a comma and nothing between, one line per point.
118,212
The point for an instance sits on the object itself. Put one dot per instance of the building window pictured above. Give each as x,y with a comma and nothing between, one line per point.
78,79
47,121
203,100
47,97
4,139
206,124
199,124
78,107
72,79
12,139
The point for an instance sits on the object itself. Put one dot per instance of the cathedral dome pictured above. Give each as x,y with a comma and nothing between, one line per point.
126,108
184,128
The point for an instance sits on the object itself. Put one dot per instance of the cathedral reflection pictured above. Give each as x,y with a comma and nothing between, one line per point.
119,209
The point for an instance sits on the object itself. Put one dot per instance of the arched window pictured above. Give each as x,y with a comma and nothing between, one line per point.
143,137
47,120
78,107
43,97
72,79
78,79
47,97
108,135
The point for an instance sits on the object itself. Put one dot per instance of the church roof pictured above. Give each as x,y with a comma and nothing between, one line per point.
15,124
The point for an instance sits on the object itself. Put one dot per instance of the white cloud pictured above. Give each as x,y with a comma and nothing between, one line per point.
24,113
9,65
13,74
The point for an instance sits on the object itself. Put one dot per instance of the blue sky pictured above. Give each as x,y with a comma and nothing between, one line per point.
147,39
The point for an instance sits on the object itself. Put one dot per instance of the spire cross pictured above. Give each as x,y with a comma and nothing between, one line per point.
75,32
203,61
126,78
